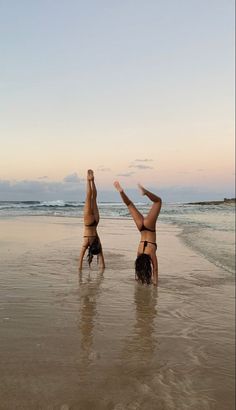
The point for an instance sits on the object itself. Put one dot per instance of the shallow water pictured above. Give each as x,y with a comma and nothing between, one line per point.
102,341
208,229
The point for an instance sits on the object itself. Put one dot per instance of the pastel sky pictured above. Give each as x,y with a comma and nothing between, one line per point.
137,90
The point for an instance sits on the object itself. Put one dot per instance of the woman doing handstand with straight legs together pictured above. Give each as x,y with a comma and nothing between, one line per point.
91,220
146,265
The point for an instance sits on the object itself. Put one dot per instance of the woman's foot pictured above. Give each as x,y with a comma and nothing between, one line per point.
90,175
118,186
142,189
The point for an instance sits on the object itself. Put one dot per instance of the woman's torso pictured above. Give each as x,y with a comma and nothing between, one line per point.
90,230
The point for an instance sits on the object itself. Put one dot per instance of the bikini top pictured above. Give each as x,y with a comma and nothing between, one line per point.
94,223
144,228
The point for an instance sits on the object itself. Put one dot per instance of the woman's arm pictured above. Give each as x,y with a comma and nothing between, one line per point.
81,256
101,259
154,270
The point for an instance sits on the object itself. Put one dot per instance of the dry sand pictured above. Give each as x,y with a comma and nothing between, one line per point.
102,341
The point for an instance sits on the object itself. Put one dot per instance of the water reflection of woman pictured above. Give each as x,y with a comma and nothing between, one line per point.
142,341
145,302
88,294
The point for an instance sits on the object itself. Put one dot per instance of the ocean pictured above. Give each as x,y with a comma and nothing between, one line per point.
208,229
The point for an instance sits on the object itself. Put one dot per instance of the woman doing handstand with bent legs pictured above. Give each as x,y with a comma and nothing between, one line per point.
146,265
91,220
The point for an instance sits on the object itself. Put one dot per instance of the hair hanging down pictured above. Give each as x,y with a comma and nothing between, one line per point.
143,268
94,249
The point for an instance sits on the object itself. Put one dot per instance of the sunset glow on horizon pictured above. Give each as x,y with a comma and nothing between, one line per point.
136,91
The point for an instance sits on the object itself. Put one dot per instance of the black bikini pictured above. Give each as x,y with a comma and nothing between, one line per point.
145,244
94,223
90,236
144,228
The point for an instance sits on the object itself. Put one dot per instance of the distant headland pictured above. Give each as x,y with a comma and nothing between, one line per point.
225,201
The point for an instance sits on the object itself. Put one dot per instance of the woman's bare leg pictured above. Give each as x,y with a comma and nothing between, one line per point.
152,215
136,215
88,209
94,201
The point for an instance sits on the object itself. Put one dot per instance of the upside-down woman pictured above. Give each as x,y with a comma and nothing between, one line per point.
91,219
146,264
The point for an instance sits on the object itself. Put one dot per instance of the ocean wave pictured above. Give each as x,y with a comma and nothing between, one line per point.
39,204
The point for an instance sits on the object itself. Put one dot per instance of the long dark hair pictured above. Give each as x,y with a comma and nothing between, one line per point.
143,268
94,249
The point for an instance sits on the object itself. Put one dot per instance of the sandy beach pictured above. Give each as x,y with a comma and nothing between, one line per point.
100,340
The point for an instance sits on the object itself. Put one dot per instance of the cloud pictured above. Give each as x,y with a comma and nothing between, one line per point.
72,178
183,172
37,190
178,193
191,172
138,163
44,177
103,169
25,190
143,160
126,174
140,166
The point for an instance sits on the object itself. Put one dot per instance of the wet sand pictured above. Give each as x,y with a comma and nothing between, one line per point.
102,341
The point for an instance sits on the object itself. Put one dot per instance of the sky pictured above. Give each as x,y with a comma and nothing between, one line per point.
139,91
